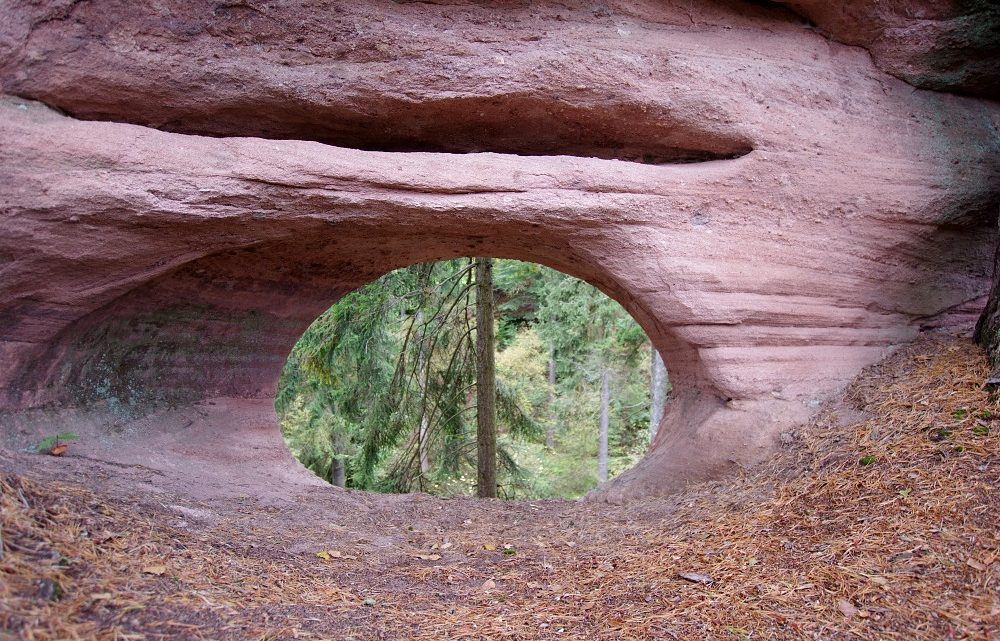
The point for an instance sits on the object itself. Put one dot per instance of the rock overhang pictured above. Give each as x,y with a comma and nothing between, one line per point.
146,268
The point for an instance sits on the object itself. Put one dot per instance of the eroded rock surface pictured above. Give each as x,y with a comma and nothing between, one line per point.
774,209
946,45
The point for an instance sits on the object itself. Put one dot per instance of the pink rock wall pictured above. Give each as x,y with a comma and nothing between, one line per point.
774,209
947,45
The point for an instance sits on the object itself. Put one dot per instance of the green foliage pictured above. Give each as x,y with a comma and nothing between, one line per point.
51,441
399,353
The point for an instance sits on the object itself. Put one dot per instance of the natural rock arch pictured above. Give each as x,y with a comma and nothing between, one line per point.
830,212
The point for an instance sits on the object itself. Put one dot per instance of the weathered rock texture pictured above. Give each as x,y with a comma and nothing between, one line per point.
774,209
947,45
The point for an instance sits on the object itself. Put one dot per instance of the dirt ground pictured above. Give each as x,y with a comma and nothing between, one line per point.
879,520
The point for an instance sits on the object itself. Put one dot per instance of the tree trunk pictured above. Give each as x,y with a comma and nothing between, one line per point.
988,328
550,432
602,449
338,472
486,420
657,391
422,382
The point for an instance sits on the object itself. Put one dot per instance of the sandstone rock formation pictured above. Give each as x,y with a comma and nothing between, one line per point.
932,44
774,209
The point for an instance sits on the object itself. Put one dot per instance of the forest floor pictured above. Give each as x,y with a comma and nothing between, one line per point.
878,520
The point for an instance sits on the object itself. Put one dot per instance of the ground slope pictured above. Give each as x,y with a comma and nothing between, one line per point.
814,545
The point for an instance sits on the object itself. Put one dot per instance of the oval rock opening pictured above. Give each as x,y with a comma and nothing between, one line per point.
390,388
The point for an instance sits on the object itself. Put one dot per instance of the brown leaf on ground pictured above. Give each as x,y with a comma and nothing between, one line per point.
847,608
58,449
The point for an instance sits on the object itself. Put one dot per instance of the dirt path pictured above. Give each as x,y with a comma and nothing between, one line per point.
816,545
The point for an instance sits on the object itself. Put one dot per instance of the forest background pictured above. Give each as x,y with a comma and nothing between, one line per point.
380,391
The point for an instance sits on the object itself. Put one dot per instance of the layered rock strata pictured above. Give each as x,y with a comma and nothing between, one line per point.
774,209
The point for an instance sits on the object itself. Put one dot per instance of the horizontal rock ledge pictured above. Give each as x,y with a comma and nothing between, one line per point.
145,272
